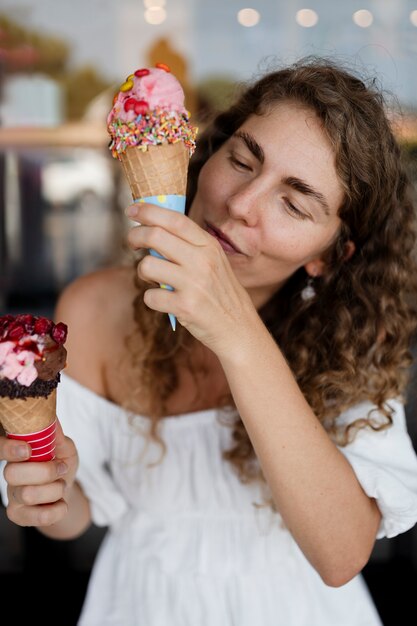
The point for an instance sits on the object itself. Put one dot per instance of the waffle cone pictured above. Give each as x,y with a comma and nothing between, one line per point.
160,170
27,415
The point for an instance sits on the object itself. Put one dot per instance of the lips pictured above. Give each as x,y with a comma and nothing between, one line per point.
226,243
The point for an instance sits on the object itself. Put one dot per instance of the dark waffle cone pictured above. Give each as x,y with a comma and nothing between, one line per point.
160,170
22,416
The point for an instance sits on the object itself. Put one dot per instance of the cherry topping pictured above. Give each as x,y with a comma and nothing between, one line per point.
27,320
42,326
16,332
59,332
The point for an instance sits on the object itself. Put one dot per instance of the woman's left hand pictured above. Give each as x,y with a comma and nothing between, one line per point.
207,298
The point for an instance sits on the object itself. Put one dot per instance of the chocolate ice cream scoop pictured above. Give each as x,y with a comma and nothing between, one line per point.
53,360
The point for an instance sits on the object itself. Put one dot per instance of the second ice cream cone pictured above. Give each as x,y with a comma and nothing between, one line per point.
32,354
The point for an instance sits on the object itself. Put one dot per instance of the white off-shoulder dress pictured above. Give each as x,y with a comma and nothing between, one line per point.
187,542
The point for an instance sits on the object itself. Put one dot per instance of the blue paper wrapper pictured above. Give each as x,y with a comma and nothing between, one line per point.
175,203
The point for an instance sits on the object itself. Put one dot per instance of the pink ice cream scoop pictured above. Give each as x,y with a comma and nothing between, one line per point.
147,89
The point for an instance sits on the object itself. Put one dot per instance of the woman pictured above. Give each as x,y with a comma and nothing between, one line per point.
246,463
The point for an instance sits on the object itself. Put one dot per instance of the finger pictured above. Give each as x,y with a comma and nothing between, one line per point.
32,495
161,300
41,515
34,473
12,450
152,269
165,243
172,247
189,265
173,221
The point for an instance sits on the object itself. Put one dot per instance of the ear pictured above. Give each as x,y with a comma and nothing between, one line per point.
349,250
315,268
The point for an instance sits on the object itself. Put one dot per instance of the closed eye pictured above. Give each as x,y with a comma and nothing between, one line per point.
238,164
296,212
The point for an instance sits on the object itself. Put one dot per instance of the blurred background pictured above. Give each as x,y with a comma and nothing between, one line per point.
62,195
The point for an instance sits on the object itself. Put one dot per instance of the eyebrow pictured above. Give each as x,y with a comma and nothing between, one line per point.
292,181
307,190
251,144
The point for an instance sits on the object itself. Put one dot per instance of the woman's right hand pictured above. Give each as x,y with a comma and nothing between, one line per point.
37,491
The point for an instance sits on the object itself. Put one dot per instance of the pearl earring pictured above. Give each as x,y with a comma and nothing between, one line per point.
308,293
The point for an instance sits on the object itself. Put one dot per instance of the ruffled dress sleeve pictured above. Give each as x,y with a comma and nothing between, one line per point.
91,421
385,464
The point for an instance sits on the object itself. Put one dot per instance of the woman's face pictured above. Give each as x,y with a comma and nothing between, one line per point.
270,196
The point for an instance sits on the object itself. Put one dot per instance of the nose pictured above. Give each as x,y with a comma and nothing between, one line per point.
244,204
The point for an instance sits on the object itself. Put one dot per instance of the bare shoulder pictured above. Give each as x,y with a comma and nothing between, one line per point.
100,296
97,308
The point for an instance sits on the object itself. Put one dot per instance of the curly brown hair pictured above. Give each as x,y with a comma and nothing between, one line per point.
351,342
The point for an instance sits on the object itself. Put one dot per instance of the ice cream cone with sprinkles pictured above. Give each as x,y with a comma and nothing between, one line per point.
152,137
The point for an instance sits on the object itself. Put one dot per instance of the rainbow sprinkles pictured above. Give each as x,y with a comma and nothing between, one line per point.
151,129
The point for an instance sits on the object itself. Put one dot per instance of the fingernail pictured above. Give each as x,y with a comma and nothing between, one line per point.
62,469
131,211
22,452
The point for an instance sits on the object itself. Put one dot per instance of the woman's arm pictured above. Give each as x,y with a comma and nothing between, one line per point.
314,487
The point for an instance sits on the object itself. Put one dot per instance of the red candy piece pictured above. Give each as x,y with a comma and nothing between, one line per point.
163,66
141,106
142,72
129,104
138,106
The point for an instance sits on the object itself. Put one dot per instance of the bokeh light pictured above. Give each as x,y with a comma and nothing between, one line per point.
248,17
363,18
306,18
155,15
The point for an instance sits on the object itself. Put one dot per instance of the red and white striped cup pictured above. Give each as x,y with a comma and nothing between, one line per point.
42,442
